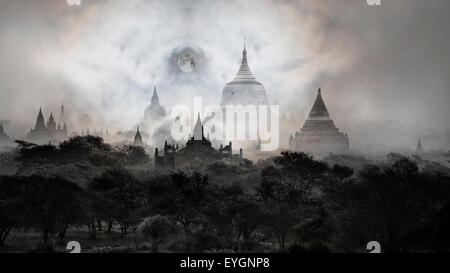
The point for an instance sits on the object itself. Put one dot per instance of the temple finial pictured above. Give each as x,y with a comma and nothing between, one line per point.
155,99
244,72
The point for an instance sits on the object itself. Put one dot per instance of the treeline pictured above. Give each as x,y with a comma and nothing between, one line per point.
299,205
90,149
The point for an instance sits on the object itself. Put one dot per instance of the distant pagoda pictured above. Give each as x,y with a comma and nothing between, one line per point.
154,111
4,138
154,114
42,134
319,134
198,151
419,148
138,138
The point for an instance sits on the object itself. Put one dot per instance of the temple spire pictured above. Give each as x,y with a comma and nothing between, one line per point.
40,123
198,129
244,72
155,99
319,109
419,146
138,138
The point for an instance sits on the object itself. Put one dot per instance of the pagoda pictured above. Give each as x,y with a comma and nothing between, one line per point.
319,134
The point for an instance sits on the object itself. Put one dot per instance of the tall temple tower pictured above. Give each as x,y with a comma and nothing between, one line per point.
40,123
198,129
153,116
419,147
154,111
319,134
63,117
42,134
244,89
138,138
51,124
3,136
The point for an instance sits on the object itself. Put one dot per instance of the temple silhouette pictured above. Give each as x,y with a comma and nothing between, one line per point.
50,133
198,151
319,134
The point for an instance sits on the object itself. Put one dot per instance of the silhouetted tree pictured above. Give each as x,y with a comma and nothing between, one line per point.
383,203
157,228
300,164
11,207
341,172
121,187
286,193
189,197
134,155
51,204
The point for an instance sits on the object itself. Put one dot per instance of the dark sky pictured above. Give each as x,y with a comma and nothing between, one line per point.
384,67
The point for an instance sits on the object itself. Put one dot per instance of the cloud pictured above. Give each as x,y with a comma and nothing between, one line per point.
103,58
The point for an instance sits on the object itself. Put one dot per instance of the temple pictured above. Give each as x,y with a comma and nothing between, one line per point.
138,138
319,134
152,121
198,151
244,89
4,138
154,111
419,147
43,134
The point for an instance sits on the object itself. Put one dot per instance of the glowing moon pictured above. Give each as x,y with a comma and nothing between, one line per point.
187,61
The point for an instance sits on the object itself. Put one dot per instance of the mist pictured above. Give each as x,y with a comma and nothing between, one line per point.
383,69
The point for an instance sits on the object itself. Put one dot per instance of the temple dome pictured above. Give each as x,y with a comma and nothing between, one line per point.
244,89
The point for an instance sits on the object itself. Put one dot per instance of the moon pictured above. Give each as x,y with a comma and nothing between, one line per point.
187,61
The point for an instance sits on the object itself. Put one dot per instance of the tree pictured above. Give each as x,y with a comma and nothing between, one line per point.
300,164
232,215
134,155
51,204
184,199
157,228
33,153
286,193
11,209
125,192
341,172
383,202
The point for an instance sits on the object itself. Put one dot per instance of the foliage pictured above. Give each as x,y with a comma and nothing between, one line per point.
157,228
